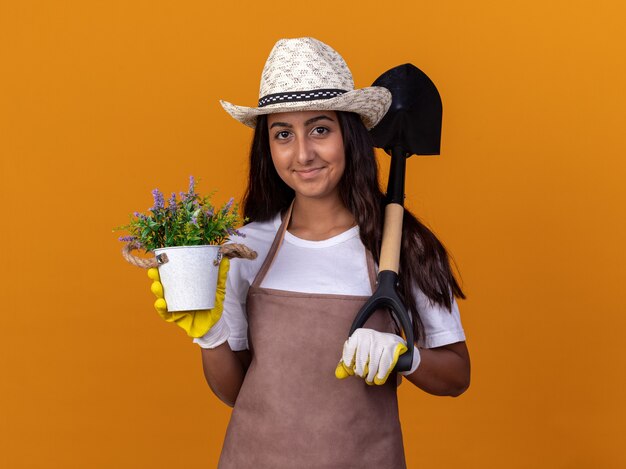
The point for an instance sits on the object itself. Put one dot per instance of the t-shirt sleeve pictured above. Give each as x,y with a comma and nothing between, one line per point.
441,326
235,306
234,312
258,236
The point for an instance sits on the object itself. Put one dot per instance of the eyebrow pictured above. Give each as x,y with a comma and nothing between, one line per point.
310,121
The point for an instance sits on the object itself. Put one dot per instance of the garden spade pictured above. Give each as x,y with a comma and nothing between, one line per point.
412,126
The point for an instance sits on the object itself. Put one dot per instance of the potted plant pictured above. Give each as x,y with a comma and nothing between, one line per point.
186,238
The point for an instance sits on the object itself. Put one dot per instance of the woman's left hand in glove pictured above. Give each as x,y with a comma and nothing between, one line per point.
372,355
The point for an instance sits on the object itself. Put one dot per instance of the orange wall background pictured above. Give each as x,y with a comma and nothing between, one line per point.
103,101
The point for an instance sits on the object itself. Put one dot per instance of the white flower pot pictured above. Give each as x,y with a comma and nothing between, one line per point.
189,277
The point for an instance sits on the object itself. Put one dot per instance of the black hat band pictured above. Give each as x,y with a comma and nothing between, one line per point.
293,96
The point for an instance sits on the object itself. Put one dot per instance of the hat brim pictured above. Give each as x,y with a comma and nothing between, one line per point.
370,103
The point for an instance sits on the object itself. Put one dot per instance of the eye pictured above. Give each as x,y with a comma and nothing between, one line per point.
282,135
320,130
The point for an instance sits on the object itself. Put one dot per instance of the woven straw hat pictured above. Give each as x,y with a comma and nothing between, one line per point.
305,74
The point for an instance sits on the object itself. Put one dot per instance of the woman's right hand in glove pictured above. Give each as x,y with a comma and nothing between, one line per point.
197,323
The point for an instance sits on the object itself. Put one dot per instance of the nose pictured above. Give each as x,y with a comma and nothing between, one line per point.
305,152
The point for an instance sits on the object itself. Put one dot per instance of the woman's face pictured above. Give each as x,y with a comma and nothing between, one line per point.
307,151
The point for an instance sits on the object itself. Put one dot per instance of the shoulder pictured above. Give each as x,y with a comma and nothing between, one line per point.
257,236
258,229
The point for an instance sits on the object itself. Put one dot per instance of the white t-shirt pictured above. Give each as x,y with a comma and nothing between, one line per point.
336,266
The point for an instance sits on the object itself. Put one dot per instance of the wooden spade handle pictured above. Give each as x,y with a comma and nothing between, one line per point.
392,238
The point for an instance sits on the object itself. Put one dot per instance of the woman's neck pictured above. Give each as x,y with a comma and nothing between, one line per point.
319,219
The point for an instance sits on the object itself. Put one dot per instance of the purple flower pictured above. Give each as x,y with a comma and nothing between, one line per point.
172,202
209,212
194,220
159,203
141,216
228,205
127,239
192,184
232,231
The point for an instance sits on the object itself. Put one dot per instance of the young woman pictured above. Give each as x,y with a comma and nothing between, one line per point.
277,351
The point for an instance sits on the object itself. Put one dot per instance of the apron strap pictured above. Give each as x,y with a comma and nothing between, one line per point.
278,239
371,269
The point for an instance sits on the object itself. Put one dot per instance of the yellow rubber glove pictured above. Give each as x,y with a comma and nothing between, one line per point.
371,355
195,323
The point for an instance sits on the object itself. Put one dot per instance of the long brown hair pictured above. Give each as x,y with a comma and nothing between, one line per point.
424,262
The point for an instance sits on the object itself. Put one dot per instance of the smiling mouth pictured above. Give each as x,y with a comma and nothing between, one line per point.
306,170
308,173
